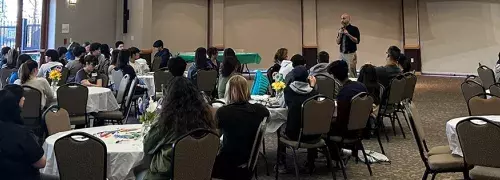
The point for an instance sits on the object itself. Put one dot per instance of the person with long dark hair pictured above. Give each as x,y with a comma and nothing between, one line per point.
213,53
114,61
69,55
3,55
62,55
122,65
77,64
230,52
201,62
229,67
27,77
20,60
11,59
183,110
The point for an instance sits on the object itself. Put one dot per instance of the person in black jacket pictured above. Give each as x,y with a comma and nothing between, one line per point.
239,122
298,91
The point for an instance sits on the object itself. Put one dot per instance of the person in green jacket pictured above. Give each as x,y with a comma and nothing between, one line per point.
183,110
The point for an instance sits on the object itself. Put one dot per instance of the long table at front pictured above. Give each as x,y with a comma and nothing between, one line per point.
243,57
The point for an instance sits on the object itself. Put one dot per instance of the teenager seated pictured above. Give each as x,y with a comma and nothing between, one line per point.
177,66
87,76
27,77
386,73
297,60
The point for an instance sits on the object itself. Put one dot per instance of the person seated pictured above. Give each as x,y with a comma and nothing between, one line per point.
86,76
62,55
213,53
297,60
177,66
299,90
229,67
119,45
386,73
497,69
322,66
27,77
163,54
122,65
3,55
11,59
279,57
69,55
230,52
183,110
404,63
77,64
368,76
286,67
52,59
95,50
20,61
86,45
140,65
239,122
200,63
104,65
22,156
114,60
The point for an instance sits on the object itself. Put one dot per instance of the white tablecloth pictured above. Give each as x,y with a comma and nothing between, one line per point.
122,158
149,81
451,133
100,99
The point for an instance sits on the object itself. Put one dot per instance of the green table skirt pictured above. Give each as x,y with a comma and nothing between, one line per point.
244,58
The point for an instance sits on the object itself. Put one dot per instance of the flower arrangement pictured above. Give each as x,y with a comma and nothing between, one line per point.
278,85
55,74
149,115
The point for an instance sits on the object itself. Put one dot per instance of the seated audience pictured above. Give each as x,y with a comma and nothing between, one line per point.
322,66
86,45
52,59
20,61
295,94
11,59
87,76
212,55
22,156
163,54
69,55
368,76
183,110
122,65
95,50
391,69
3,55
287,66
230,52
140,65
177,66
279,57
200,63
238,122
119,45
27,77
114,60
77,64
229,67
404,63
62,55
297,60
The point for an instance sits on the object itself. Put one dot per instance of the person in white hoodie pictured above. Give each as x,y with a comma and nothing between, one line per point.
286,67
52,59
140,65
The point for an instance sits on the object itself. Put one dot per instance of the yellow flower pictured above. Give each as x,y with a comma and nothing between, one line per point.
55,75
278,85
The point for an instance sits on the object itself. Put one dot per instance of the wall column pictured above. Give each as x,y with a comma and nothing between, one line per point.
411,33
216,24
309,32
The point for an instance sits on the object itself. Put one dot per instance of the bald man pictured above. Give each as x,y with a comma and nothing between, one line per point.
348,37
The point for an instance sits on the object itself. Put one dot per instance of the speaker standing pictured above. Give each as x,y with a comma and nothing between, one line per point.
348,37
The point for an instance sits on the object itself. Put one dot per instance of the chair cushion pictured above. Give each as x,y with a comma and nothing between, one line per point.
318,144
77,120
338,139
110,115
482,172
439,150
446,162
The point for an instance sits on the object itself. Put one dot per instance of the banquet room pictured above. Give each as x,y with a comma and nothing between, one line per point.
249,89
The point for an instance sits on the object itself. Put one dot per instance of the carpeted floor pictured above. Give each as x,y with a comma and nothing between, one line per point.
438,100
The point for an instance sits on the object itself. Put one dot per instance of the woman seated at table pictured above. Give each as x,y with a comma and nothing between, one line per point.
27,77
239,122
230,52
11,59
22,156
201,62
77,64
183,110
229,67
52,59
280,56
295,94
20,61
140,65
122,65
212,54
87,75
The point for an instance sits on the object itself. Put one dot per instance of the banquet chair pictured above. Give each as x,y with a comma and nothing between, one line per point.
156,64
470,88
325,85
479,143
200,146
495,89
105,80
56,120
473,78
480,106
206,81
121,114
487,76
31,111
254,155
438,159
360,110
161,79
73,98
411,82
388,105
4,76
122,88
317,113
116,77
64,76
81,156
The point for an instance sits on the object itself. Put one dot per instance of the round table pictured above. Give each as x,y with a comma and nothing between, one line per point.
100,99
451,133
122,157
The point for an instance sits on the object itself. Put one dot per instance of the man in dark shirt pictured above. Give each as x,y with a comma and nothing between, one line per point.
348,37
163,54
86,76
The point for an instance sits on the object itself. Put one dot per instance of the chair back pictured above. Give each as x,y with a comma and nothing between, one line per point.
396,89
116,77
382,89
361,108
495,89
479,141
418,131
156,64
81,156
411,82
487,76
64,76
199,146
128,99
162,79
105,80
317,114
122,88
32,103
206,80
254,154
325,85
474,78
4,76
56,120
471,88
73,98
479,106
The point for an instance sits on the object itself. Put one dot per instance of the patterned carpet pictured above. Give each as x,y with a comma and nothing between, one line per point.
438,99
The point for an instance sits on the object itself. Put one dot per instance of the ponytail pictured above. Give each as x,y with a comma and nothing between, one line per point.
26,70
